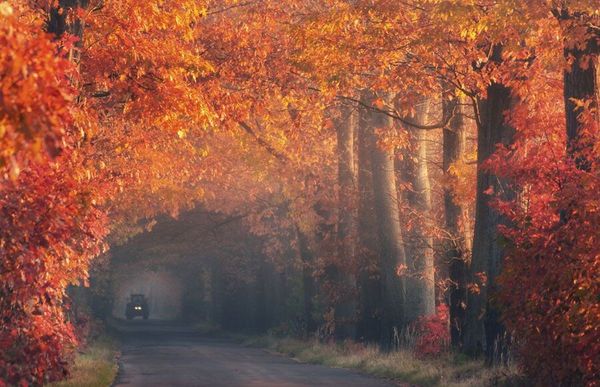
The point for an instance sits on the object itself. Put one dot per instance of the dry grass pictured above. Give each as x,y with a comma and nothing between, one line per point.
209,329
95,366
450,370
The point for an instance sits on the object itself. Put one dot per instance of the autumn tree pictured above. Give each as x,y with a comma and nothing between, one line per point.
347,224
420,270
392,254
115,113
454,153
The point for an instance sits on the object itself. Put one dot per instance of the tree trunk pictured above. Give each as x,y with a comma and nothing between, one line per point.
581,84
420,281
388,219
57,19
488,333
58,23
369,277
263,310
215,293
308,282
346,307
455,138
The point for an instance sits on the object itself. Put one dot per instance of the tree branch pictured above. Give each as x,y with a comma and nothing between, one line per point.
268,147
404,120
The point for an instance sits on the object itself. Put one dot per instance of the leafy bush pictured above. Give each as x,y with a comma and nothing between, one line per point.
551,287
433,334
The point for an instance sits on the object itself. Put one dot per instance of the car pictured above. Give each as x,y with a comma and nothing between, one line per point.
137,307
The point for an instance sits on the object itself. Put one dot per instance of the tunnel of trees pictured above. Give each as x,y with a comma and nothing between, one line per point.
345,170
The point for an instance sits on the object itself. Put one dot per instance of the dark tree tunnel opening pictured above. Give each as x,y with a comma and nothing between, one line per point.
200,268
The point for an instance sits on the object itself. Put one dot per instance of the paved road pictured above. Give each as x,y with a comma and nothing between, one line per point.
177,357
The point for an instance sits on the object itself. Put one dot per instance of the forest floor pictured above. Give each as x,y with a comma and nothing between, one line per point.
95,365
450,370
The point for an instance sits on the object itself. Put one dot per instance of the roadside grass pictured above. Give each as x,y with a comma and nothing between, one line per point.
95,366
209,329
450,370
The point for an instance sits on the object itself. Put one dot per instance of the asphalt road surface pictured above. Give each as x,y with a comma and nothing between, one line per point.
155,354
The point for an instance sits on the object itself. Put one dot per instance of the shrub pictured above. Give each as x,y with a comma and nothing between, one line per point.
433,334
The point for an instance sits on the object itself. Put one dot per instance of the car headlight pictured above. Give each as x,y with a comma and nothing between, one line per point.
138,308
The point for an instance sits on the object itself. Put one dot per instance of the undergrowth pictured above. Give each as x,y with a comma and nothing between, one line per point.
452,370
95,365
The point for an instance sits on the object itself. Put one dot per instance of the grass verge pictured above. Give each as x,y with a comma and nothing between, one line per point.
450,370
95,365
208,329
